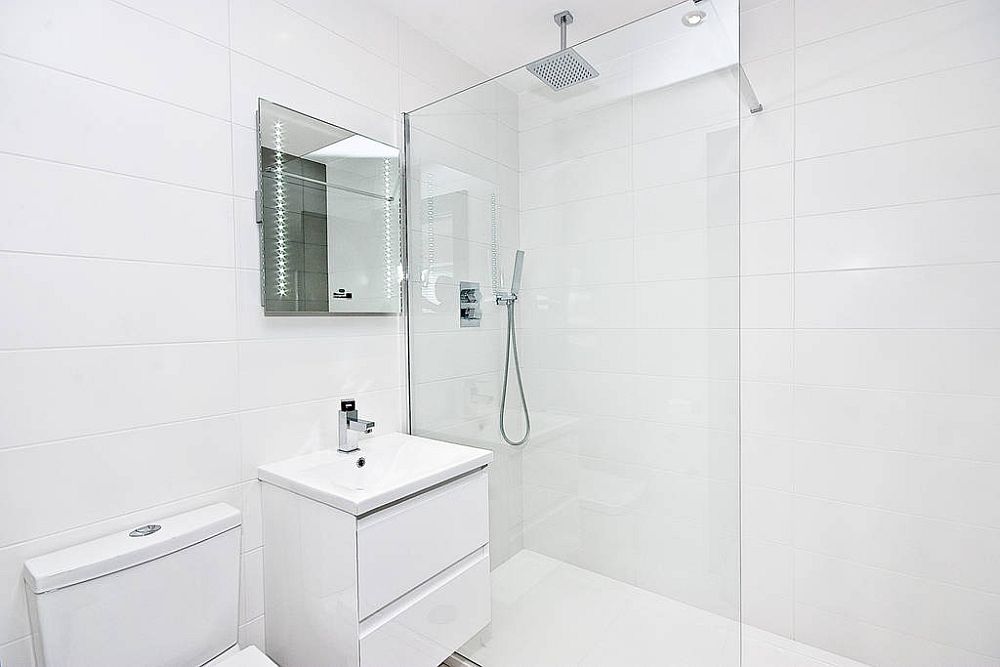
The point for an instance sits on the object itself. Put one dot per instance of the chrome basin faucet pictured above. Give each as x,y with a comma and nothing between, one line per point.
349,421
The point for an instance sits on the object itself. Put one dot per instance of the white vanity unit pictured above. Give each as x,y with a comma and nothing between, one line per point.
378,557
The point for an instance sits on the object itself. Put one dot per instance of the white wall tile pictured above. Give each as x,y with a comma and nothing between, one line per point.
922,297
88,39
285,371
252,586
115,473
252,79
897,602
766,247
949,36
938,488
938,424
956,100
208,19
139,302
766,302
106,126
178,224
596,219
943,551
592,176
100,389
767,29
876,644
766,194
767,138
931,361
273,34
942,232
820,19
603,129
367,25
958,165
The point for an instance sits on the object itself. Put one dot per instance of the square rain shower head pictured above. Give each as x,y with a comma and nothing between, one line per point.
562,69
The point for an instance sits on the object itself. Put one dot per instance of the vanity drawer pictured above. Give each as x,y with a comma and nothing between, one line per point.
428,624
403,546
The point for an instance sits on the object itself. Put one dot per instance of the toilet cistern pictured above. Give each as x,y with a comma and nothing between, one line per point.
349,421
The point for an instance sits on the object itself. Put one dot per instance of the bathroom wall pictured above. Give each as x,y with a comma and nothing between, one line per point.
140,377
629,211
463,226
871,406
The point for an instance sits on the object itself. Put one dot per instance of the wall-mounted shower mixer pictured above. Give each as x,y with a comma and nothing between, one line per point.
470,299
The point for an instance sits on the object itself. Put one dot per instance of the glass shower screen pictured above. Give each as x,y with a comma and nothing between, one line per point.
615,528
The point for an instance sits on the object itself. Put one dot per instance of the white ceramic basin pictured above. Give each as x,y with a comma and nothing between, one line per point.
395,466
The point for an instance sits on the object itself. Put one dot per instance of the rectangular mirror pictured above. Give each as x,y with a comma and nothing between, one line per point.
328,208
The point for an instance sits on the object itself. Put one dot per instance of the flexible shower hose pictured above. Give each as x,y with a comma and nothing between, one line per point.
512,345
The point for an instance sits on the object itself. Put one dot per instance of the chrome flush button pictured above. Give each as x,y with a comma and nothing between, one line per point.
143,531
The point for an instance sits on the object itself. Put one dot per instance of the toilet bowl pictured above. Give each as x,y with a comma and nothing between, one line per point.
165,594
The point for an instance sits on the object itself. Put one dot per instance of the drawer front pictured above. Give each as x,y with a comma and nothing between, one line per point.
429,624
403,546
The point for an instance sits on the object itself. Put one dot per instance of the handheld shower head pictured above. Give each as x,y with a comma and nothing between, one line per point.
515,281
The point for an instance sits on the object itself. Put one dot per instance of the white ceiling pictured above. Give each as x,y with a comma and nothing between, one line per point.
498,35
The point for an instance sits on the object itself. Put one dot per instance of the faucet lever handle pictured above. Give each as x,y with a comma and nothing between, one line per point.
347,405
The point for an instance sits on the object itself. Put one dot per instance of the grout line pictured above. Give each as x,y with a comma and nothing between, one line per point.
164,21
113,86
868,26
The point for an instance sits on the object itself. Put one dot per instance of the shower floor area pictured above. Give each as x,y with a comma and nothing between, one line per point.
547,613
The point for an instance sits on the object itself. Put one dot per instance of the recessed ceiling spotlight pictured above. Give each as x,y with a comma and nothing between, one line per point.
694,18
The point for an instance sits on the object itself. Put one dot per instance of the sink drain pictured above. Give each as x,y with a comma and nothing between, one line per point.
361,462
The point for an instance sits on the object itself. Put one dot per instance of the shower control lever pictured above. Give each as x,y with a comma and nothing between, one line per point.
349,421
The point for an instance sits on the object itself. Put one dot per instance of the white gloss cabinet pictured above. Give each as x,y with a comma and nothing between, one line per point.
403,585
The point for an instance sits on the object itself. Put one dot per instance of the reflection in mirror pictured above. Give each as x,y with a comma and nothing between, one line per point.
329,214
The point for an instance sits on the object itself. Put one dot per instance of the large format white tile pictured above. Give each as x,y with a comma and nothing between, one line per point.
767,29
61,117
937,488
696,254
766,194
367,25
944,551
820,19
591,176
125,218
596,219
116,473
941,232
957,165
111,302
595,131
271,33
90,38
948,362
95,390
209,18
950,36
938,424
897,602
961,296
252,80
876,644
275,372
956,100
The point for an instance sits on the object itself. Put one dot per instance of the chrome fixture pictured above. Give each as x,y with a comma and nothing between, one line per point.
565,67
693,18
749,96
470,313
508,299
349,421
